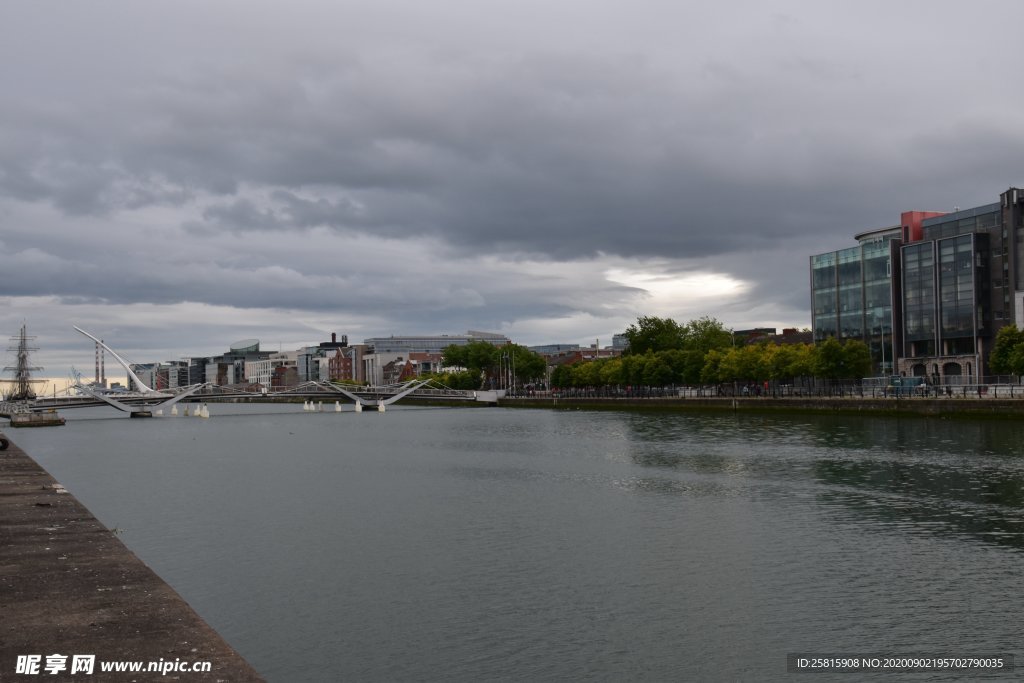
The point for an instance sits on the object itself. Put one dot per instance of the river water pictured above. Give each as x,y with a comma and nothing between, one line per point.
499,544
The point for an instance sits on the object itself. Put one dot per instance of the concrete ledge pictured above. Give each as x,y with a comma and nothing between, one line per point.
69,586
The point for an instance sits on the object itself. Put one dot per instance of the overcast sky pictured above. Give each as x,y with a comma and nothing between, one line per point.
176,176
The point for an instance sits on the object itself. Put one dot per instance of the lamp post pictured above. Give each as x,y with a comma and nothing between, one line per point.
883,351
732,333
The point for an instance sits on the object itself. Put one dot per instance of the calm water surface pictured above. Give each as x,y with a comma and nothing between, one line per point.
494,544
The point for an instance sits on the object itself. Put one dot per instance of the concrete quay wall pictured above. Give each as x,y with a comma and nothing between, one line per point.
916,406
69,586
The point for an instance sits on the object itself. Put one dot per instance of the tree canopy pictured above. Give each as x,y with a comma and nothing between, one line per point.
484,359
651,333
662,352
1007,357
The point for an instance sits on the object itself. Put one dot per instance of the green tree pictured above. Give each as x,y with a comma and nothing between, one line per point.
856,359
829,359
803,362
784,361
1008,340
693,364
1017,360
484,358
477,356
676,360
657,372
712,370
730,365
587,374
632,369
528,365
611,372
561,376
833,360
651,333
705,334
757,361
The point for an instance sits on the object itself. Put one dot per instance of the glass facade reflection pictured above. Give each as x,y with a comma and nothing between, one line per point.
946,286
852,294
935,289
919,299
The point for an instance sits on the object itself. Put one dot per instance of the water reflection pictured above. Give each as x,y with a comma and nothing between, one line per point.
977,503
962,479
541,545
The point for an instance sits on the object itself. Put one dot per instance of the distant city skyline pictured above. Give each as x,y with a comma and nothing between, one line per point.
179,176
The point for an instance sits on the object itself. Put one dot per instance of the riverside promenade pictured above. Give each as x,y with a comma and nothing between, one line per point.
942,407
71,590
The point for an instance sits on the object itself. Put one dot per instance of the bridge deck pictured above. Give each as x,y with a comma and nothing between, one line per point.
313,391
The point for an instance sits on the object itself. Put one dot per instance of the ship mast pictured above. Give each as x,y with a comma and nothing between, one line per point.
22,381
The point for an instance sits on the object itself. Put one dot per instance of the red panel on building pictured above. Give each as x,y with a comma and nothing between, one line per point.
911,222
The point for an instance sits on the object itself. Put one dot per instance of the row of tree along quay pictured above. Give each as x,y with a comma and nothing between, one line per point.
664,358
704,359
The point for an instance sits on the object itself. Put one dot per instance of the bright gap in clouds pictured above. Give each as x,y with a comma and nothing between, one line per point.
681,296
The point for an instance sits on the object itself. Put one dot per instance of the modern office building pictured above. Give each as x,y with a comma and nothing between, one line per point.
262,370
852,294
930,294
432,344
548,349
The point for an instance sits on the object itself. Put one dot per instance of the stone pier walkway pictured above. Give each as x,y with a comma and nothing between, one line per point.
69,587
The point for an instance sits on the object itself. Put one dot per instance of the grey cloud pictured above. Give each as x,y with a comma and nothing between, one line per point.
545,148
241,214
307,213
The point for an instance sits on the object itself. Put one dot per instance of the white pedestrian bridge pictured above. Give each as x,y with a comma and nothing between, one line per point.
147,401
146,404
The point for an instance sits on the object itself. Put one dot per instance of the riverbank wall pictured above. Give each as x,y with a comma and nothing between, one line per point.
69,588
943,407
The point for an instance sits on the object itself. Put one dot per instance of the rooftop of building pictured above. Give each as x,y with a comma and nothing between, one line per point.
879,233
960,214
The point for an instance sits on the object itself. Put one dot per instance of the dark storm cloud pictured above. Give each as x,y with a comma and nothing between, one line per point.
526,157
525,150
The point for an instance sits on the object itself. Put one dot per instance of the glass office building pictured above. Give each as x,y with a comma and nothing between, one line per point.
852,294
947,303
929,295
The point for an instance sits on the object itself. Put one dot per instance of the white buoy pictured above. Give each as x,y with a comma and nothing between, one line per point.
305,405
380,407
337,407
186,411
359,407
198,412
159,413
204,411
174,410
319,406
